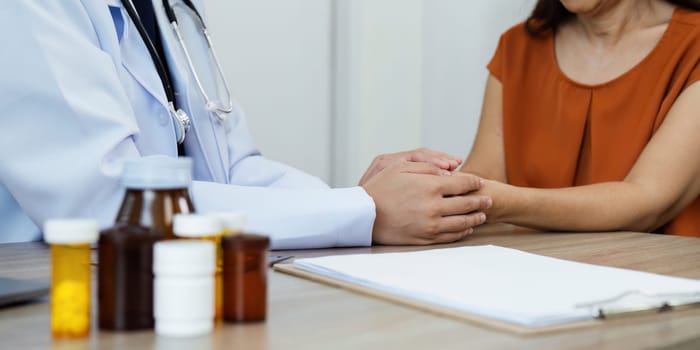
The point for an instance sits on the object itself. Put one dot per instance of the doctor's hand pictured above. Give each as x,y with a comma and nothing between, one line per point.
417,204
441,160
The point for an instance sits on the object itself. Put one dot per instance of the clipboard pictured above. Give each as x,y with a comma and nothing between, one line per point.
601,314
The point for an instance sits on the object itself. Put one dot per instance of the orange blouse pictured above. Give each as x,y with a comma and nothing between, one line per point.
560,133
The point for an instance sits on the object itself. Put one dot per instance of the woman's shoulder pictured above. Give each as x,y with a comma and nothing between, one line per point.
517,37
518,50
516,33
517,43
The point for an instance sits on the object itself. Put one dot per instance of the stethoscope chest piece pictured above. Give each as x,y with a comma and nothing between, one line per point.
181,123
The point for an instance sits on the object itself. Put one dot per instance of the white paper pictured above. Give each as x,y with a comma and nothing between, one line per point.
495,282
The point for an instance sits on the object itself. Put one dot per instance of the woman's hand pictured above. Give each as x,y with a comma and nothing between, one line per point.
499,194
442,160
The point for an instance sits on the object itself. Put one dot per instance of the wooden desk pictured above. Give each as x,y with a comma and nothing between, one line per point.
306,315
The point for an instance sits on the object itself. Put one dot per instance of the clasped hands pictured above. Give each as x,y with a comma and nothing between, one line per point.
421,199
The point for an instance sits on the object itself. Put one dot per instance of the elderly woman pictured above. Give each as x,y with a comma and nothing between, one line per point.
591,118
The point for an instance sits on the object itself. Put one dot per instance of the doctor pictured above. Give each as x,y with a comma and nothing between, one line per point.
86,84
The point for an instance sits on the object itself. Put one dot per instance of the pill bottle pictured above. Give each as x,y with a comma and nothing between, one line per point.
183,287
204,227
125,278
245,277
70,241
156,190
233,222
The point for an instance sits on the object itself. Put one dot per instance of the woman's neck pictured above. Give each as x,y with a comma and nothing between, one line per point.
608,23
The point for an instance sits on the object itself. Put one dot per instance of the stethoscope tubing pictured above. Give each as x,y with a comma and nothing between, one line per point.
219,110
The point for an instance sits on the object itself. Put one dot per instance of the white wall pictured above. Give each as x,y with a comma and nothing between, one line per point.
277,58
378,82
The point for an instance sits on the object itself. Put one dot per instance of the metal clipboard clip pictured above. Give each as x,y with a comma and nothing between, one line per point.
639,301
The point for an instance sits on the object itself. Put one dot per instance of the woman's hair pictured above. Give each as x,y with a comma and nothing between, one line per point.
549,14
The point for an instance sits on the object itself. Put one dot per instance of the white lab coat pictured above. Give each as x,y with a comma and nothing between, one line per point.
79,94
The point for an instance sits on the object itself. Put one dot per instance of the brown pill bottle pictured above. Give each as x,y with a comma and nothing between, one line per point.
156,190
245,277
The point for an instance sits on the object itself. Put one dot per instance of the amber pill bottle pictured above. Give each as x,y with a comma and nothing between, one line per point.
156,190
70,242
245,277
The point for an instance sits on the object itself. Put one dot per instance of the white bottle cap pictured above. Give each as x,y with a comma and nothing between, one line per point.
157,172
195,226
70,231
231,220
184,258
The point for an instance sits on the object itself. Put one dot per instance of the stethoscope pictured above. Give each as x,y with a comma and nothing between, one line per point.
181,120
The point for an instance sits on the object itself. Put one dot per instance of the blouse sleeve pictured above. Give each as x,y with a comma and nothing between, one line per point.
495,66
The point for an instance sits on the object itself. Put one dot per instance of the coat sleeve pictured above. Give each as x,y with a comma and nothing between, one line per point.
295,218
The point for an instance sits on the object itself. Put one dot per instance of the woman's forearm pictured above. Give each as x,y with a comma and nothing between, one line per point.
609,206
